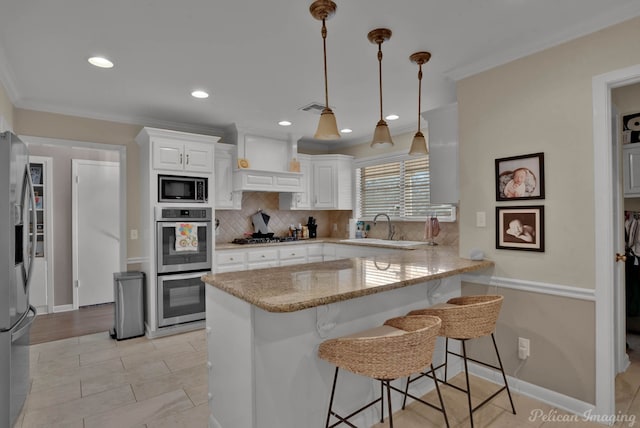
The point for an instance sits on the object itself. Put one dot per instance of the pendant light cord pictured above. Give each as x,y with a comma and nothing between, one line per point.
419,93
324,49
380,74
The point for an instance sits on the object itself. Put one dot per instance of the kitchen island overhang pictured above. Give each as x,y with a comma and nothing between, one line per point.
264,327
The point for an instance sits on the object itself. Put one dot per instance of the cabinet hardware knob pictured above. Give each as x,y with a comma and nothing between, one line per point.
187,159
180,158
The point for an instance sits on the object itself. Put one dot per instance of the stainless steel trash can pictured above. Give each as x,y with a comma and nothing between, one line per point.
128,291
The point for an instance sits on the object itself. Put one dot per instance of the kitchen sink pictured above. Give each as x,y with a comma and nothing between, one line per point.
372,241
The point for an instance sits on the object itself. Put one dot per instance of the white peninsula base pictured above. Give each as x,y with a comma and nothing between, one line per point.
263,366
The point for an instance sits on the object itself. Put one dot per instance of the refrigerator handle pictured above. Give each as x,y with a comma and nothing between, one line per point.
22,330
34,219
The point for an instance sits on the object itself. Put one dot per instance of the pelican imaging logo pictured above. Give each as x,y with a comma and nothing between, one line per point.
554,415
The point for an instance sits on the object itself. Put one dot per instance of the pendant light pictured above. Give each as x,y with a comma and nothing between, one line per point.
419,144
327,126
381,135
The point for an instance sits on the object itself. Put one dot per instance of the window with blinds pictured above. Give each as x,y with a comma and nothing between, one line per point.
400,189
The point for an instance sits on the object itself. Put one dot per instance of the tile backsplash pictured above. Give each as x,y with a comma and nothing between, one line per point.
334,224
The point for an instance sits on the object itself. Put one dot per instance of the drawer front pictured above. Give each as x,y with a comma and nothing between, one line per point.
262,255
314,250
229,257
293,253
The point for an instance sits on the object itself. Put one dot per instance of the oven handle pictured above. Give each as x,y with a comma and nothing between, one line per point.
172,276
173,223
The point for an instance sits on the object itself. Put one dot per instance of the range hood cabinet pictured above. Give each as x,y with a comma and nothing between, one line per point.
267,163
266,181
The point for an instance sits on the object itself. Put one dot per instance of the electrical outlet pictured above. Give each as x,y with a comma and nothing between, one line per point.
524,349
133,234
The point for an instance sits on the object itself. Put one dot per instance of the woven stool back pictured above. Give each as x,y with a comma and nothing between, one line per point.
386,357
471,317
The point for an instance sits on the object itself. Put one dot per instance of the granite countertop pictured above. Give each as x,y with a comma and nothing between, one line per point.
297,287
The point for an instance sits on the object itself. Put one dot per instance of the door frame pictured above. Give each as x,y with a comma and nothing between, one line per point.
74,221
122,154
47,161
606,306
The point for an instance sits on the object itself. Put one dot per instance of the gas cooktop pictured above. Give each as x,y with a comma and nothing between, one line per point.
271,240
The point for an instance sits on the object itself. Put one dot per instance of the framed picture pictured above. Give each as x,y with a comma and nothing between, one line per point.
36,173
520,228
520,177
631,128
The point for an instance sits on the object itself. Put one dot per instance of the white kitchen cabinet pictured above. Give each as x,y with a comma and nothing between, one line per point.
179,151
225,197
631,170
230,261
299,200
332,182
327,184
258,258
443,154
315,253
292,255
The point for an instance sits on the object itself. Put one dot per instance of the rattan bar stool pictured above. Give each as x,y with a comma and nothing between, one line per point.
464,318
397,349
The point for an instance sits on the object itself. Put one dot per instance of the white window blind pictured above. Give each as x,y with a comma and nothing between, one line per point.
400,189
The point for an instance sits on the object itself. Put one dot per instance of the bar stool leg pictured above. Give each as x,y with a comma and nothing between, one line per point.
389,403
381,401
504,377
435,380
466,375
333,390
446,357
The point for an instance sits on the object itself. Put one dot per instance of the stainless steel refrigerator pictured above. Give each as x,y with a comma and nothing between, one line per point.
17,253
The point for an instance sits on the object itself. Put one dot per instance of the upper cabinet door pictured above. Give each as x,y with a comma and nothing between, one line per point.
168,154
198,157
324,185
182,156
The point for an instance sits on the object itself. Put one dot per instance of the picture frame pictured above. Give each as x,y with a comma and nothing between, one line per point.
520,177
36,173
630,128
520,228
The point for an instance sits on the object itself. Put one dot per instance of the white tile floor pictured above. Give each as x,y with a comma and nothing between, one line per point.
95,381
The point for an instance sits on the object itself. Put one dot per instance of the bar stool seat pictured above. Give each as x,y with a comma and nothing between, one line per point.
464,318
399,348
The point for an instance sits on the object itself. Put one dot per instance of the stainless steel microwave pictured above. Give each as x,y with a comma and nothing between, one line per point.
174,188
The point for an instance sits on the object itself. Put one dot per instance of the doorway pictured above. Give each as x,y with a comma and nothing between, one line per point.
608,346
62,152
95,230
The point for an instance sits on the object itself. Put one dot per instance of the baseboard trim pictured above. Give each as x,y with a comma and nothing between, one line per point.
63,308
536,392
532,286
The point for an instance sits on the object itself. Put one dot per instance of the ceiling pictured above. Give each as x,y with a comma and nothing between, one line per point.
261,61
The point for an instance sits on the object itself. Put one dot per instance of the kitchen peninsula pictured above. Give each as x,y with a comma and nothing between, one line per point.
264,327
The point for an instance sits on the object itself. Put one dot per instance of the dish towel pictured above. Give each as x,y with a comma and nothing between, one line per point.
186,237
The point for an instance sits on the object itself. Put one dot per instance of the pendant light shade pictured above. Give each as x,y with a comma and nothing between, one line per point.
327,126
381,135
419,144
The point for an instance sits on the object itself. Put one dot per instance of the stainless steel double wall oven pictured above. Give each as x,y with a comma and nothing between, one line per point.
180,292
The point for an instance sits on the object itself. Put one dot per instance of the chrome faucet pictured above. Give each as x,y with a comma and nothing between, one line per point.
391,229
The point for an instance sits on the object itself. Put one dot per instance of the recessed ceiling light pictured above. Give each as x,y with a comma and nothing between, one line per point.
199,94
101,62
284,123
392,117
346,130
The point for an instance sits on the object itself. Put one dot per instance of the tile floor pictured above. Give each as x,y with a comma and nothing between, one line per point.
94,381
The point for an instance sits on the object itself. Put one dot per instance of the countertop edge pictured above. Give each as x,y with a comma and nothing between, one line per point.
211,280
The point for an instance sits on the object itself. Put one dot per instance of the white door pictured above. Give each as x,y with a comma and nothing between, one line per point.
96,230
